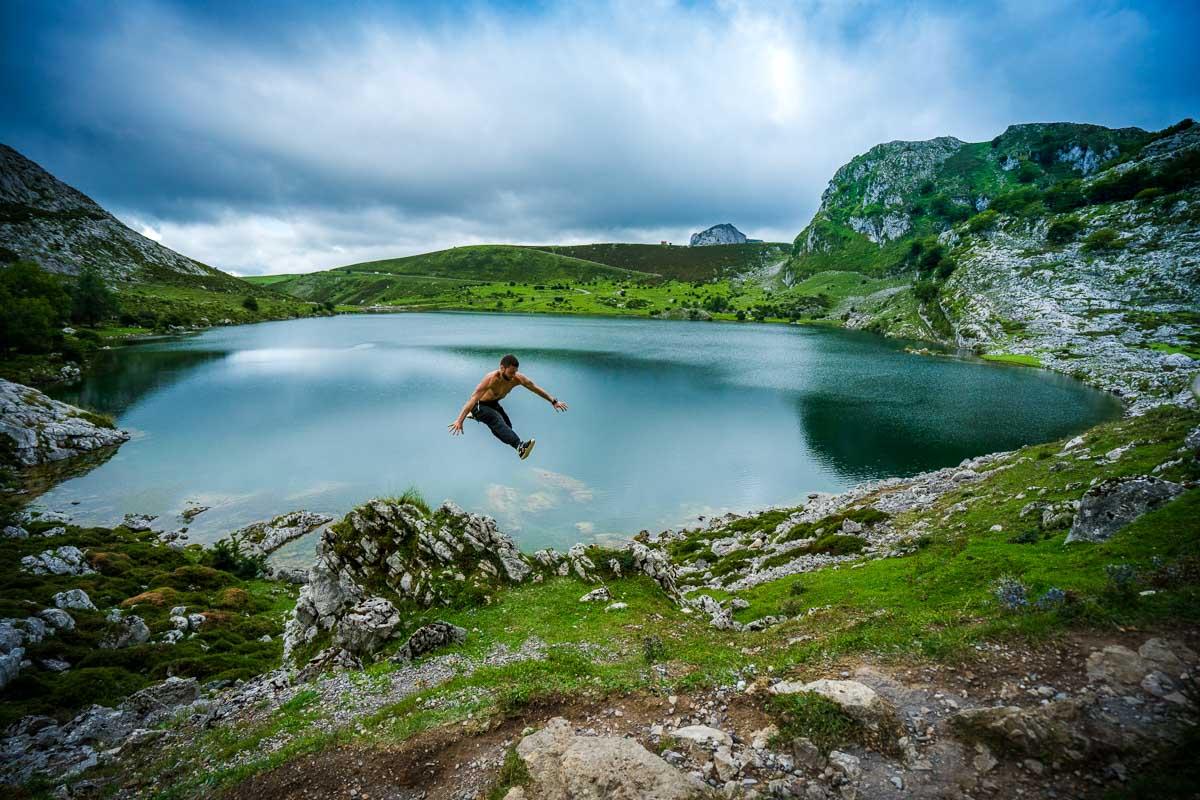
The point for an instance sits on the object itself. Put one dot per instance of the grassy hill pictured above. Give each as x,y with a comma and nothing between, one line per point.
445,272
679,263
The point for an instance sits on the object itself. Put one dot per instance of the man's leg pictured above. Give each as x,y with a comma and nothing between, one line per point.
498,422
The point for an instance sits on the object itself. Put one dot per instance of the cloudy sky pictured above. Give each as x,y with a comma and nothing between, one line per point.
290,137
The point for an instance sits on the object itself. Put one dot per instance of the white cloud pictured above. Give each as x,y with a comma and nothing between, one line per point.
381,136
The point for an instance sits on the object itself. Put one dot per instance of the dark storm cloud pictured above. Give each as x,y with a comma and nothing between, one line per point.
286,137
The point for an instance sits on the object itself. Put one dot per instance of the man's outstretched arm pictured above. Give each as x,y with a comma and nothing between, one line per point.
540,392
455,427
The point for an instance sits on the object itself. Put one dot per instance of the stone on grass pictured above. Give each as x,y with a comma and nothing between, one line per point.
1114,503
600,595
430,637
76,599
66,560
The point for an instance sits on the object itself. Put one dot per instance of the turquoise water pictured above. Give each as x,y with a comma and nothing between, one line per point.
668,419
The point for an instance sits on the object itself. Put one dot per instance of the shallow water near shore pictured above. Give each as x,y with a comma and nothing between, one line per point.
668,420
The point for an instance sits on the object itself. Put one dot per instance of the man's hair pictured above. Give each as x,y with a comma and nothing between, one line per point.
509,361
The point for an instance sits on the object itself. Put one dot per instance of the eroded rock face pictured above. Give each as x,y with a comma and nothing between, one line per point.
725,233
45,430
563,766
1112,504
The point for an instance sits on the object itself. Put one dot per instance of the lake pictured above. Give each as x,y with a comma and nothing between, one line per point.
668,420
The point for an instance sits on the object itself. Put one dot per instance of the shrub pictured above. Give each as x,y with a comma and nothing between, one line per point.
983,221
1103,239
250,303
232,597
1063,230
1028,172
92,300
227,556
653,649
925,291
1052,599
1019,201
1064,195
1146,195
809,715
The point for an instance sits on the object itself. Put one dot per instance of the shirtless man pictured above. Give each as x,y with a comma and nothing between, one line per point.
484,404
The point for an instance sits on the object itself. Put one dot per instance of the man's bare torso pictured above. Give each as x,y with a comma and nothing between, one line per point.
498,386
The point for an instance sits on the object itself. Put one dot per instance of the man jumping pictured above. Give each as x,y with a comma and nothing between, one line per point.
484,404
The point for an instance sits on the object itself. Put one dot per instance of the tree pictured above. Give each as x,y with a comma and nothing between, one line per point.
92,300
250,303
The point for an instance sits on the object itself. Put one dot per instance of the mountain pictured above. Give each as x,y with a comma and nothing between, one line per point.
725,233
1074,247
45,220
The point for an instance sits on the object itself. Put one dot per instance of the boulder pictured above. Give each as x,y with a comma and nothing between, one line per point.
366,627
45,430
155,703
857,699
15,532
125,632
76,599
138,523
1053,728
66,560
330,659
428,638
563,766
57,618
703,735
601,595
1116,665
1173,658
1114,503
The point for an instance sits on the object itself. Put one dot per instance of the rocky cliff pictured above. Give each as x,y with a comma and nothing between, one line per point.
45,220
724,233
1073,247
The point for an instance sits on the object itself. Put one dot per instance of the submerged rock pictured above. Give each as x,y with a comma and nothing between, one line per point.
264,538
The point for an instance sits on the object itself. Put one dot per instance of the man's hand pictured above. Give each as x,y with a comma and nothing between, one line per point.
559,405
455,427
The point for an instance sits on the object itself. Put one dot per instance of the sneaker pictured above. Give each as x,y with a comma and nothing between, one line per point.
525,448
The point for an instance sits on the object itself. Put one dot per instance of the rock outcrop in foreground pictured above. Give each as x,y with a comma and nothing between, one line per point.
43,430
388,559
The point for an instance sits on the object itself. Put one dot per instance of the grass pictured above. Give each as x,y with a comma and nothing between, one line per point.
1013,358
936,601
1192,353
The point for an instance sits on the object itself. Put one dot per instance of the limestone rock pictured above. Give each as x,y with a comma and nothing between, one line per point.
45,430
58,618
330,659
366,627
601,595
264,538
856,699
563,766
428,638
1116,665
75,599
725,233
138,522
66,560
1112,504
126,631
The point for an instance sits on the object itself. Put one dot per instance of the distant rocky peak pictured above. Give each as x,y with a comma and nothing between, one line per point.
725,233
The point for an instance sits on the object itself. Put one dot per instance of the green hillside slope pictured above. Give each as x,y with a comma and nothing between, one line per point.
680,263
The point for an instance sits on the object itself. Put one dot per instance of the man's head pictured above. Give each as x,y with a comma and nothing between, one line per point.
508,366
